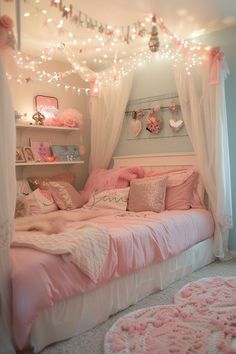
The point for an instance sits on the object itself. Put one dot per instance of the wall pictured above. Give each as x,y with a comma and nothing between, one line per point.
156,78
23,101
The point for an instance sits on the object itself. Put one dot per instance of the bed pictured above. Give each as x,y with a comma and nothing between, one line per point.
54,300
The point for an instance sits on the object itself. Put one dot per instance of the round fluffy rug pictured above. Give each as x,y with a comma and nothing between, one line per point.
203,320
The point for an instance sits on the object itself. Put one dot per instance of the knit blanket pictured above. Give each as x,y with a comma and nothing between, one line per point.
86,245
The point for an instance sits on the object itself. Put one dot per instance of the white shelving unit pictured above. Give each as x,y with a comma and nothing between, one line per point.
45,127
55,135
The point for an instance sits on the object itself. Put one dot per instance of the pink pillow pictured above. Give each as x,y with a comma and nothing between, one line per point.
147,194
40,202
103,179
181,190
66,196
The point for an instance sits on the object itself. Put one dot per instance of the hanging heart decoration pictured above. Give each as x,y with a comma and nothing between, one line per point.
135,127
176,125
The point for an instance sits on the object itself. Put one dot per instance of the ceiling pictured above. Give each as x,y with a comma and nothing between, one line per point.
185,18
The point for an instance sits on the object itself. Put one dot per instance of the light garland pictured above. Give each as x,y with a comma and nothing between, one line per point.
20,79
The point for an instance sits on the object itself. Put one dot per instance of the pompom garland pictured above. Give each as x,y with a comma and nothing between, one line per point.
70,118
7,38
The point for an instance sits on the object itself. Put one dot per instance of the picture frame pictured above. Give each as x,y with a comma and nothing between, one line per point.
41,150
19,155
46,105
28,154
66,152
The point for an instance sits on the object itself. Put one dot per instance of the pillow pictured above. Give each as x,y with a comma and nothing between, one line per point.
103,179
181,189
110,199
22,207
66,196
22,187
41,182
40,202
147,194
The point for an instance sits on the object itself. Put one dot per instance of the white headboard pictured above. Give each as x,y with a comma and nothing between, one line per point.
166,160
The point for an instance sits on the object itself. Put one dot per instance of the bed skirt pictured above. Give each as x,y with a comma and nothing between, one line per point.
80,313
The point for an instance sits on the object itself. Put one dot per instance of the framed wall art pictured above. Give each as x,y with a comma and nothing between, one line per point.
41,150
19,155
46,105
28,153
66,152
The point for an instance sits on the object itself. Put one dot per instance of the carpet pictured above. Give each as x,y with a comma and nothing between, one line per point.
201,320
92,341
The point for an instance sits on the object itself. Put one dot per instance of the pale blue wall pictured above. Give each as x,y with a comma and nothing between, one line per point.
156,78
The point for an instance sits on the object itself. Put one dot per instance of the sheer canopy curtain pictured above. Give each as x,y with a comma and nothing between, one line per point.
7,207
107,111
202,99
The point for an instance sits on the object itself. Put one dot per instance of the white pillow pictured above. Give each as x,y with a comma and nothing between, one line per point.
110,199
41,202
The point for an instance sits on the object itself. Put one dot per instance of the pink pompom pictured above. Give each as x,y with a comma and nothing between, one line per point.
6,22
3,37
55,122
71,118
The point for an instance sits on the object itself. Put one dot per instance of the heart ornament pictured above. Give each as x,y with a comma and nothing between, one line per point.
176,125
135,127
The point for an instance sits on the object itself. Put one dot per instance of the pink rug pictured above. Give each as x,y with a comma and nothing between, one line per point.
202,320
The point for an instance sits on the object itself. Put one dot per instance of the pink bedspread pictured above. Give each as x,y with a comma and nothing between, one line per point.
136,240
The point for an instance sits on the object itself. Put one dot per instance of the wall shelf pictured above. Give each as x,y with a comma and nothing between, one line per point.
48,163
64,129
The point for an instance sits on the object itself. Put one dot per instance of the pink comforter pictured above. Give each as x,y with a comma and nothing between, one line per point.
136,240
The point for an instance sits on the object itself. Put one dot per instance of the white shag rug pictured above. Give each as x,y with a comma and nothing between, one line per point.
92,341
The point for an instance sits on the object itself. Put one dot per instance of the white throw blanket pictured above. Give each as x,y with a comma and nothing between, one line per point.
86,245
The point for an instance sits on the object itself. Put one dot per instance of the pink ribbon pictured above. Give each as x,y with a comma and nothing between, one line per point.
216,61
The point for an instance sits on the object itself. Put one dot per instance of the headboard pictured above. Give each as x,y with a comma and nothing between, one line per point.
149,161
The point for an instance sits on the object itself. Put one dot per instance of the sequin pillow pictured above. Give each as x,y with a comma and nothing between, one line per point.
147,194
66,196
42,182
110,199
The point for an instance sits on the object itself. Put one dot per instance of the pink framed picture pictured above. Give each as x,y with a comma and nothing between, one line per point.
46,105
41,150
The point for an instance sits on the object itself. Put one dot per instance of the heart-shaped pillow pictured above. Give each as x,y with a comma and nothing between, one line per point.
135,127
176,125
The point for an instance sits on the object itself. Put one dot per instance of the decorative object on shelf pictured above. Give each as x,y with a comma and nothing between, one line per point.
175,124
153,123
28,153
19,155
46,105
154,40
135,125
66,152
20,118
7,38
41,150
38,118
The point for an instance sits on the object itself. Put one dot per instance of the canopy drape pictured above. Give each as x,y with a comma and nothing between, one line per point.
7,207
202,100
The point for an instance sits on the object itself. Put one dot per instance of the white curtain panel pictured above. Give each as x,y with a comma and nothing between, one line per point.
107,111
204,113
7,208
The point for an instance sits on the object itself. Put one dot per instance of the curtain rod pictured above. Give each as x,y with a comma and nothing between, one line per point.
134,111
